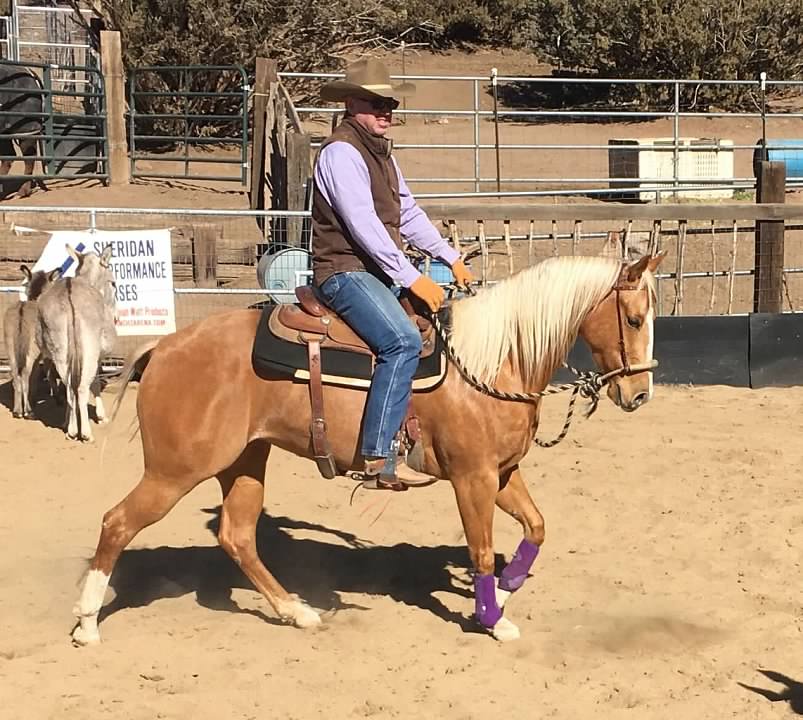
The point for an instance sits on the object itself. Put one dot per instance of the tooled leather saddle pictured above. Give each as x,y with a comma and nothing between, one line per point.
310,342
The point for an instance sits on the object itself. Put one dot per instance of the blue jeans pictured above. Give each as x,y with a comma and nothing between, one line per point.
373,311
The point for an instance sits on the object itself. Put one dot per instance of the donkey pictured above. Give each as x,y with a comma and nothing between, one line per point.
23,338
21,118
77,318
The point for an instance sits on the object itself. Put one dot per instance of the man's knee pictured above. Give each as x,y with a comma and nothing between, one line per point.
407,343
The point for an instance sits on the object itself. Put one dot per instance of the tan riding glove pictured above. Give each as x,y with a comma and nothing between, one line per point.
429,291
462,275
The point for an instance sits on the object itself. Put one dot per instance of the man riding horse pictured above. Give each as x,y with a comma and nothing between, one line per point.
362,210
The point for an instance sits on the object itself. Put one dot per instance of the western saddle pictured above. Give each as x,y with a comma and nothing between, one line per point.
312,324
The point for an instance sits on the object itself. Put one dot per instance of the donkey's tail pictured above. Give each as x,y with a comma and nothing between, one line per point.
75,360
20,341
137,361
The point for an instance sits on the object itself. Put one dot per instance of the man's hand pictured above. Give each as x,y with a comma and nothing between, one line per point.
462,275
429,291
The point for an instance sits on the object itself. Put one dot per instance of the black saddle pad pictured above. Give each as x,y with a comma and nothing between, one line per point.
272,354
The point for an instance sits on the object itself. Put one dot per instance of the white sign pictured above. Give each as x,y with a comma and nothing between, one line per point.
143,272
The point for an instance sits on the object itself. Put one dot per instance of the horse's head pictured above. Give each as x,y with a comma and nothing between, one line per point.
620,332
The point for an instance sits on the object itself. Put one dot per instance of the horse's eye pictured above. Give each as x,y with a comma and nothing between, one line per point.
634,322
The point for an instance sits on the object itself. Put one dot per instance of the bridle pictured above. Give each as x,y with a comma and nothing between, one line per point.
620,287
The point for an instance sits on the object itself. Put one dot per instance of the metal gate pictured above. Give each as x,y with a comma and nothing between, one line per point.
189,122
69,122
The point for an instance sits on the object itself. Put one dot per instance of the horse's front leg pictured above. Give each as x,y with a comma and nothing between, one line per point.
515,500
476,493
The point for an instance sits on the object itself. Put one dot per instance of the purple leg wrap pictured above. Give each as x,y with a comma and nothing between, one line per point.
515,572
485,607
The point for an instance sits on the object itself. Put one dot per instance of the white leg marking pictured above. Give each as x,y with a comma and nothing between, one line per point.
88,607
501,595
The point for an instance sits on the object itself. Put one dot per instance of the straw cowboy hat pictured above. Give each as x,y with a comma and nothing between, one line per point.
367,78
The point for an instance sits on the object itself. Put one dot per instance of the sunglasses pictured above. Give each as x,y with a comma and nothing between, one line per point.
383,104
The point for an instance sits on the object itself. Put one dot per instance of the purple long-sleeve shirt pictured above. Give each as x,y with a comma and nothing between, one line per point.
342,177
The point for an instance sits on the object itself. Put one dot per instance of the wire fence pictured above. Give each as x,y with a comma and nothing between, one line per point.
498,134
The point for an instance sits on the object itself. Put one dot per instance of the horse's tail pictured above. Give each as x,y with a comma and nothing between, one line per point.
137,361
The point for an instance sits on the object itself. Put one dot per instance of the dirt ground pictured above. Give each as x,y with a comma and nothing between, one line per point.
669,585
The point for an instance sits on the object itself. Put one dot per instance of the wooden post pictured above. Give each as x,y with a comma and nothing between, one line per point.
768,281
204,255
681,253
298,184
508,248
483,251
117,148
266,73
732,271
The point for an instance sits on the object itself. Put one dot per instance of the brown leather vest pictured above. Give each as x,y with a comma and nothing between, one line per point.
333,248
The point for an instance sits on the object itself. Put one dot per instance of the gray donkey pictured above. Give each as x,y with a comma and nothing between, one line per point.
77,317
23,338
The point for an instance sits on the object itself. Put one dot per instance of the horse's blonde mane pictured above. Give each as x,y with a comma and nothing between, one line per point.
531,318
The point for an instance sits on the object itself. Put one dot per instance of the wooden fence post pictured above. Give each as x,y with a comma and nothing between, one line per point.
264,88
298,184
116,146
768,280
204,254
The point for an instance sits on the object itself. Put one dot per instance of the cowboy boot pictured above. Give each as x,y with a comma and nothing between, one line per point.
393,473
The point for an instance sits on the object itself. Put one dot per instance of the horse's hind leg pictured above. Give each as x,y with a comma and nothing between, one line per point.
515,500
243,492
152,498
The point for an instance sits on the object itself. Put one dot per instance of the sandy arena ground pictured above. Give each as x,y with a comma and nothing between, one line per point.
669,583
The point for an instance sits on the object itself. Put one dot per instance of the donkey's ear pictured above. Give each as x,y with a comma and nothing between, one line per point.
655,261
26,271
106,255
73,253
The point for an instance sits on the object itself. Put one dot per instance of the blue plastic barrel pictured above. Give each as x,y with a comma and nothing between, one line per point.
787,151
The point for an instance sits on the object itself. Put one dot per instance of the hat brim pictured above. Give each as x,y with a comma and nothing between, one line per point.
339,90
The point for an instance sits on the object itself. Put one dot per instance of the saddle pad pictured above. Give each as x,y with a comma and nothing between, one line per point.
274,354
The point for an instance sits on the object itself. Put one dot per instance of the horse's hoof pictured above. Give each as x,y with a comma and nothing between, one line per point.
29,416
16,414
505,631
302,615
84,638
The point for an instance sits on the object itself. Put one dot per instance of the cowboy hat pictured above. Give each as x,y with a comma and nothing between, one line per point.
367,78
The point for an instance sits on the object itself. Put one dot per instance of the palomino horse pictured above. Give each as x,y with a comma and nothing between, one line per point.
204,412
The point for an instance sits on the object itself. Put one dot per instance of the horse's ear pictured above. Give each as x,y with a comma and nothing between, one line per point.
53,275
106,255
73,253
636,269
655,261
648,262
26,271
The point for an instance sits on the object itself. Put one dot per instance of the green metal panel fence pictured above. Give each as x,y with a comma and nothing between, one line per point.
189,122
